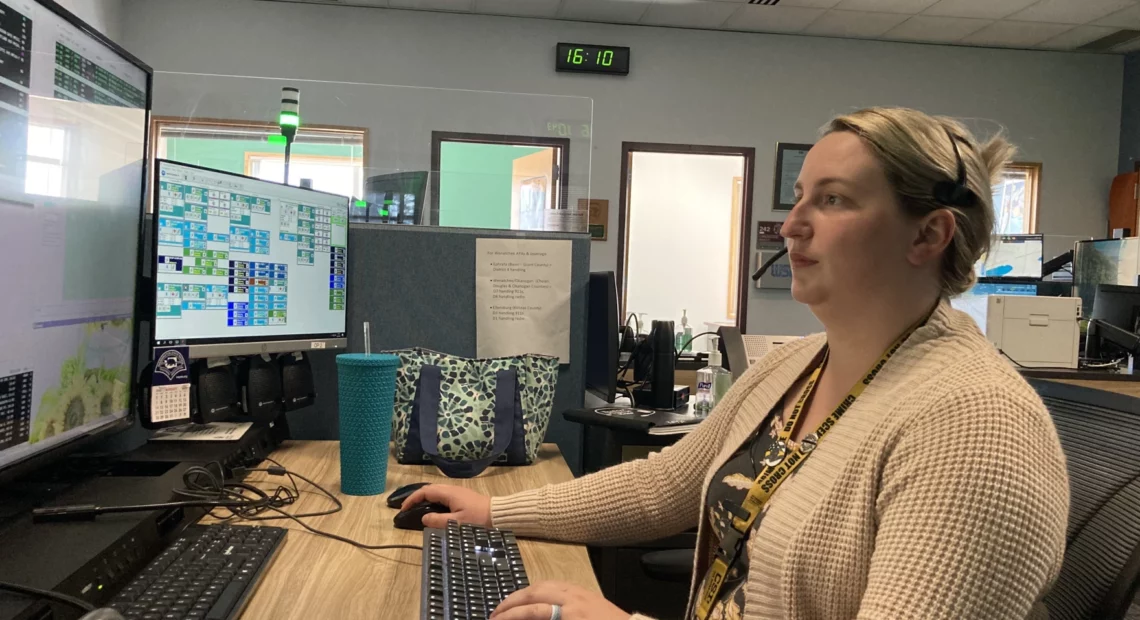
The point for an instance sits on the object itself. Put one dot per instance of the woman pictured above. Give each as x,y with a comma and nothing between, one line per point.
933,488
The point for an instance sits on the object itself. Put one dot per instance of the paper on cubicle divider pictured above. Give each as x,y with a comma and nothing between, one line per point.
522,297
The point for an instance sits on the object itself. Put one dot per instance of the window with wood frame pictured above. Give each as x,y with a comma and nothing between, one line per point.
1015,199
332,158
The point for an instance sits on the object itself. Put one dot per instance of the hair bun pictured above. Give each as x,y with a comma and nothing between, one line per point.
996,153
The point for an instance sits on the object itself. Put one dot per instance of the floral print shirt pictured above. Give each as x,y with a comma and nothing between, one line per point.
726,493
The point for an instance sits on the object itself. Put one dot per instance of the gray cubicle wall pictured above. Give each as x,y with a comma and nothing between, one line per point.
416,287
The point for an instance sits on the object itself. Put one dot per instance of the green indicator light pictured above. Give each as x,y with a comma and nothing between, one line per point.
288,118
388,203
278,139
361,203
383,213
100,587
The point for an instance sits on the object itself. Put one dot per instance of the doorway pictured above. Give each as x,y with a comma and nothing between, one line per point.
496,181
683,222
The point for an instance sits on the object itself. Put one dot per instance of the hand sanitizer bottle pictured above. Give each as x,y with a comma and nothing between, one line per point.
712,382
686,331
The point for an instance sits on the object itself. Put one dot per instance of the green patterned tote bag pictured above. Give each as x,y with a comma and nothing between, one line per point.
466,414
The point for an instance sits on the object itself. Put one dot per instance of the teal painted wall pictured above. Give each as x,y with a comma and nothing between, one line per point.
229,155
475,184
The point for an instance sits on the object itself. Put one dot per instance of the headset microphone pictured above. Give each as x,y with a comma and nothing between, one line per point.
768,264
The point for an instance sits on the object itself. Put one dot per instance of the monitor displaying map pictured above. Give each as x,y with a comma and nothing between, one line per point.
1012,256
73,127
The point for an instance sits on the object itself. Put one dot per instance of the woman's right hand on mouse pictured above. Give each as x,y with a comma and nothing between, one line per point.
466,505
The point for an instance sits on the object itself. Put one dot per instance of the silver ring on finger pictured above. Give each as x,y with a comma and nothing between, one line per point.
555,612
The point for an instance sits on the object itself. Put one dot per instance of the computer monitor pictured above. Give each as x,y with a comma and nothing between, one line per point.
1118,306
1012,256
73,133
603,327
245,266
975,302
1103,261
392,198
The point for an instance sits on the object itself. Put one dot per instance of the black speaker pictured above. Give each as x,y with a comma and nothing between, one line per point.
664,359
218,394
297,381
261,386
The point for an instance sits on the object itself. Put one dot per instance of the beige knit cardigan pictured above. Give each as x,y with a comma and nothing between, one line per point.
942,493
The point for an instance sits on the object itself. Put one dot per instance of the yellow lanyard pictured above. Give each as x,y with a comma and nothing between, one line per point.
779,463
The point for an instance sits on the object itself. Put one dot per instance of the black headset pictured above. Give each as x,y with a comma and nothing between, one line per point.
955,193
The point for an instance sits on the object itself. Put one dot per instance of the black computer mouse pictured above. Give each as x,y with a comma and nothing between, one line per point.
396,499
413,518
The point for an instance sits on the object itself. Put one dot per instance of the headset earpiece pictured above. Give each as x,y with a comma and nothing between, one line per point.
955,193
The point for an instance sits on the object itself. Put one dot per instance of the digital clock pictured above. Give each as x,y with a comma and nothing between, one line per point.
592,58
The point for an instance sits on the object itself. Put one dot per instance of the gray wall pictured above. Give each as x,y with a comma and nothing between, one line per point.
1130,114
685,86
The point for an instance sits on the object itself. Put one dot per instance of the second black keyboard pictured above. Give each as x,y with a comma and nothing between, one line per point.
208,573
467,571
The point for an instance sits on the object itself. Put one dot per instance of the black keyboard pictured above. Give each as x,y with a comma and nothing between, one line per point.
208,573
467,571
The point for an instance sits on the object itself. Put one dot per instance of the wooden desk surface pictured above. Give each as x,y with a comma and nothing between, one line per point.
1127,388
315,577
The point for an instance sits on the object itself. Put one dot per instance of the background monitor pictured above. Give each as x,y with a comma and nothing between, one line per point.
245,266
603,326
1012,256
1119,306
975,302
73,128
1104,261
393,198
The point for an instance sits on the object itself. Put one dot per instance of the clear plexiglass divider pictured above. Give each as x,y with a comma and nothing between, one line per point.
400,154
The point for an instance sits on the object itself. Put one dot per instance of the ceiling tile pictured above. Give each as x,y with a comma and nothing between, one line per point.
1070,11
811,4
854,24
981,9
527,8
935,29
603,10
433,5
1015,34
688,14
1077,37
772,18
1127,18
910,7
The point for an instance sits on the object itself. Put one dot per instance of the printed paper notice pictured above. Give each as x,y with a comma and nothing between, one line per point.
522,294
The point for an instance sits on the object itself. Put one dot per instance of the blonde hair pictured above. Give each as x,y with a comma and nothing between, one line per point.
916,151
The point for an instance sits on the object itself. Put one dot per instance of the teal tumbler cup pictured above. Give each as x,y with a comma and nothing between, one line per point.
367,395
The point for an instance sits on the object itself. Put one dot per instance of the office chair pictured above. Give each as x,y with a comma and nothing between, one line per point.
1100,434
672,565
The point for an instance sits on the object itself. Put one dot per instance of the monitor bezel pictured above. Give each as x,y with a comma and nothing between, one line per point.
255,345
38,460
